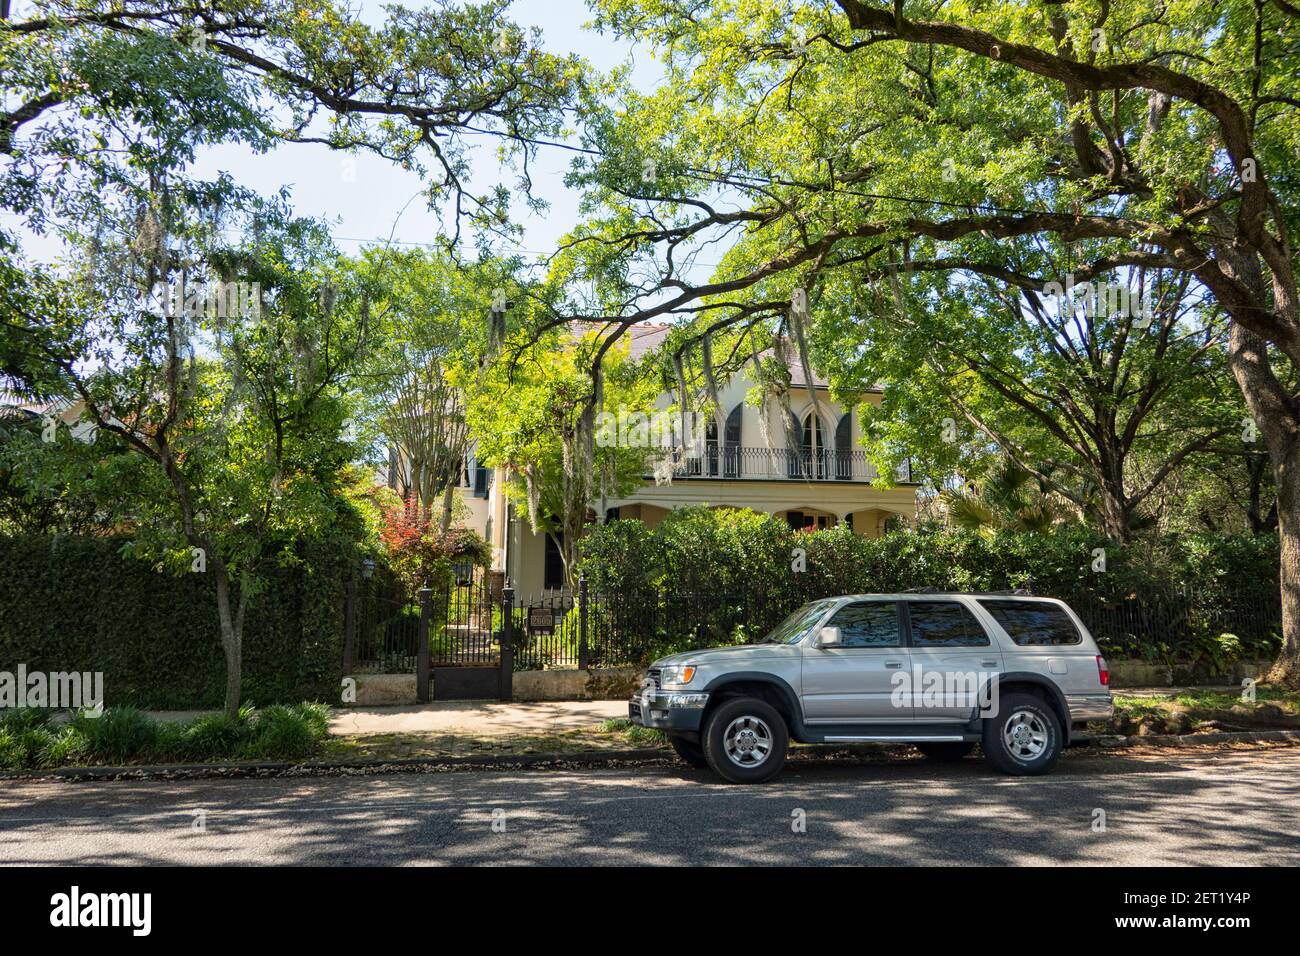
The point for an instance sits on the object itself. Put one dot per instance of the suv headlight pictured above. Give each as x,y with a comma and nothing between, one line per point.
677,674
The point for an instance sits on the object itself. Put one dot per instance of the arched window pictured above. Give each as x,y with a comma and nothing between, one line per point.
814,451
724,461
844,447
731,443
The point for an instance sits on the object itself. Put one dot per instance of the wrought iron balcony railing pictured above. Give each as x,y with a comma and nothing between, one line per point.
780,464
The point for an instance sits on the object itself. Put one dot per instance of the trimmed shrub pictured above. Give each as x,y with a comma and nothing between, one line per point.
80,604
708,576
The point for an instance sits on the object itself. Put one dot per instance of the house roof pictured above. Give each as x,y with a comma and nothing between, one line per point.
644,338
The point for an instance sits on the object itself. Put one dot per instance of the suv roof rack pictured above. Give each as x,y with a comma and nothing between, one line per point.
1009,592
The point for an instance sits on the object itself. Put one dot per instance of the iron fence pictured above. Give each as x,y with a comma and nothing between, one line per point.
467,624
382,627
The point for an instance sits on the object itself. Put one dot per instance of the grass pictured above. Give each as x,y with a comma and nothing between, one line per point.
634,734
33,740
1205,710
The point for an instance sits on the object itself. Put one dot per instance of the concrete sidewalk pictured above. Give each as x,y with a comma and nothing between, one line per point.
468,718
473,718
476,718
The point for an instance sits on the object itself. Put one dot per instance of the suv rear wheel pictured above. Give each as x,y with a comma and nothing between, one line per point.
690,752
946,752
1025,737
745,740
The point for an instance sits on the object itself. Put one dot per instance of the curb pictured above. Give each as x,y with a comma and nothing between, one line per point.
1112,741
585,758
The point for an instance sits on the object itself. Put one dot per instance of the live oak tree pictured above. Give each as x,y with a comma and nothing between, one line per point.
416,88
221,432
912,139
105,103
97,90
1078,399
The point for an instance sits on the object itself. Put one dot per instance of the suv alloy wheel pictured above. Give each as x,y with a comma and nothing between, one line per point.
745,740
1025,737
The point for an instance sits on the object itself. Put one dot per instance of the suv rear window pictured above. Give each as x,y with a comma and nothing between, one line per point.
1032,623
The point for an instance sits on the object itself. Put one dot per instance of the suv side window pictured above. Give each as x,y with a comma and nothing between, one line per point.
945,624
1034,623
868,624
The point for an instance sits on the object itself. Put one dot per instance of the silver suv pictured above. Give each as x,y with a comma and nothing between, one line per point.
1011,672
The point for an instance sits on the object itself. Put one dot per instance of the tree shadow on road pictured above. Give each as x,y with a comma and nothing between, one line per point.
1175,810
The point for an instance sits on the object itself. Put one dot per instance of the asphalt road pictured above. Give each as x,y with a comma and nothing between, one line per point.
1225,808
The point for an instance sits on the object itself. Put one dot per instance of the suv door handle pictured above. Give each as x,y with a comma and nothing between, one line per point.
893,664
988,663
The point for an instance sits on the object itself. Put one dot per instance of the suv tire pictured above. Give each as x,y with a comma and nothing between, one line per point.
946,752
745,740
688,750
1025,737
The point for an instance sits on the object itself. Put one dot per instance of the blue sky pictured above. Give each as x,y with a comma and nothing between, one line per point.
362,195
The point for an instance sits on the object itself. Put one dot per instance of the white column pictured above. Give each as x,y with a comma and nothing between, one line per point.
497,519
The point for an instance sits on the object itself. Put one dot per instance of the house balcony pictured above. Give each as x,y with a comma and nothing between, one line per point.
777,464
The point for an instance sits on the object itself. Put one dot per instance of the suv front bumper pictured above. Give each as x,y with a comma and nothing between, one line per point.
1090,707
675,711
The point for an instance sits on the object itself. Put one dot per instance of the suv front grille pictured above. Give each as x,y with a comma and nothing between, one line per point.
651,679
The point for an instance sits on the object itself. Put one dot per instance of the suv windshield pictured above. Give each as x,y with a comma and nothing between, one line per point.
794,627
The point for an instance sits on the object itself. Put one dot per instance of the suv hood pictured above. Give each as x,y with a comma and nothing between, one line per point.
732,656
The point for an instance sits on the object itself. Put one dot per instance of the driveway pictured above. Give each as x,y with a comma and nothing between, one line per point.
1227,808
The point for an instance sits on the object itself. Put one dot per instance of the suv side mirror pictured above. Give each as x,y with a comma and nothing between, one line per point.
828,637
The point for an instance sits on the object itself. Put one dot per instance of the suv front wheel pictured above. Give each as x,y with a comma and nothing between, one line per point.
745,740
1024,738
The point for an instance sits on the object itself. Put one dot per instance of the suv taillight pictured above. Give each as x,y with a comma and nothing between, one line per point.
1102,671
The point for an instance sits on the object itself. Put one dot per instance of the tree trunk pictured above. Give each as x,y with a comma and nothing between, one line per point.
1287,668
1278,421
448,499
232,639
1115,517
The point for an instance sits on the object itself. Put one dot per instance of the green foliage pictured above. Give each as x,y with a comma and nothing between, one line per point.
715,576
215,735
79,604
534,415
283,732
119,734
124,735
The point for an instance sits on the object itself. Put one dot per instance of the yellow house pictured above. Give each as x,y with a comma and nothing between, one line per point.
825,481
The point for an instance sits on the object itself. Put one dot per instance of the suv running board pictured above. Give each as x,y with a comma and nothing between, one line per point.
894,738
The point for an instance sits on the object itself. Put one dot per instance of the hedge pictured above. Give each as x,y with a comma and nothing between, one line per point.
80,604
706,575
